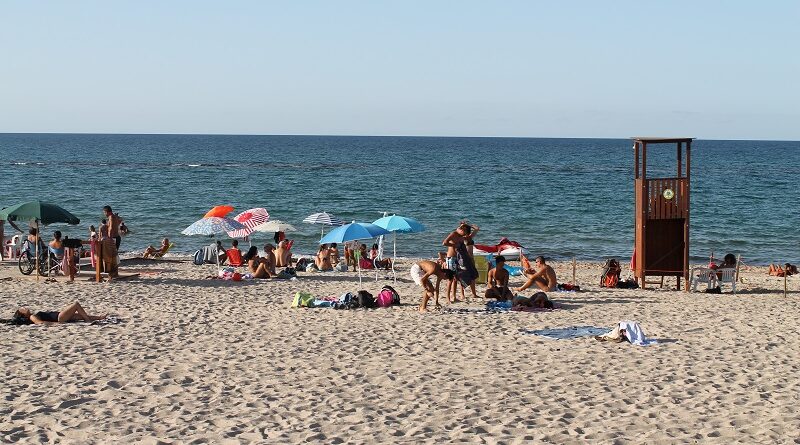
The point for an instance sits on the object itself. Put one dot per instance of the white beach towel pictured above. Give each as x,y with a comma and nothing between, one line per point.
631,331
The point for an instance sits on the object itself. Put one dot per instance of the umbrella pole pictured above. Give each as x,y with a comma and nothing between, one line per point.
216,252
37,238
322,232
394,256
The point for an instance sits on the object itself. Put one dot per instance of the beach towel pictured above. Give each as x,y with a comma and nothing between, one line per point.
567,333
467,272
627,330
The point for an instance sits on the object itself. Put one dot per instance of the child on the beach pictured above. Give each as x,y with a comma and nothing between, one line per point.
421,273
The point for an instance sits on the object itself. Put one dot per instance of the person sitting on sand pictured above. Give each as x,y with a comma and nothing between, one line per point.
72,312
787,270
539,300
363,260
258,267
497,281
150,251
421,273
350,254
333,253
379,264
283,254
542,275
221,255
323,259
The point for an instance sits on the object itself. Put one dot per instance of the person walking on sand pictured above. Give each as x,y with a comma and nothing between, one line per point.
421,273
542,275
497,281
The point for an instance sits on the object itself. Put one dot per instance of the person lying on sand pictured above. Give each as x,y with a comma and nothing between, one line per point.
787,270
539,300
150,251
542,275
497,282
258,267
421,273
70,313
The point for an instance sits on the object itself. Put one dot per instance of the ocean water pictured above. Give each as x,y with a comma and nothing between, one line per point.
558,197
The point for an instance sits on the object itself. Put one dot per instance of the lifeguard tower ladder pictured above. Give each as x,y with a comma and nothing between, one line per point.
662,216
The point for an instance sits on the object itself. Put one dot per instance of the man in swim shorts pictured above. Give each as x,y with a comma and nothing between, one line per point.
421,273
497,281
542,275
452,241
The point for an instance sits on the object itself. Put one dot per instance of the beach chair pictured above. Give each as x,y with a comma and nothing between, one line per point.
716,277
160,254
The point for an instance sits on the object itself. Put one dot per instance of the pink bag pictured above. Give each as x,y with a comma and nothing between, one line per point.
385,298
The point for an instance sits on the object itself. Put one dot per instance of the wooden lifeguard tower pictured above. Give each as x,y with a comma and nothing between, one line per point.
662,215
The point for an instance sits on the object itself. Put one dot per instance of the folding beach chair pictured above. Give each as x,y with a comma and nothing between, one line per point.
160,254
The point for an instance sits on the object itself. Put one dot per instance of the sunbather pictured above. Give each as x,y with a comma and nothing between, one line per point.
72,312
380,264
283,254
333,252
542,275
538,300
257,266
787,270
151,251
497,282
323,259
421,273
270,260
221,254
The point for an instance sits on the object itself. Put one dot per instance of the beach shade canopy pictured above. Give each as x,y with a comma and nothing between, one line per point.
212,226
250,219
218,212
401,224
43,212
353,231
274,226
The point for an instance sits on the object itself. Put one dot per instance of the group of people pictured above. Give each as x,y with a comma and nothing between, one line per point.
459,258
355,255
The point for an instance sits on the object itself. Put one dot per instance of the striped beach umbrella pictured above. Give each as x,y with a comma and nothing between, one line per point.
323,218
250,219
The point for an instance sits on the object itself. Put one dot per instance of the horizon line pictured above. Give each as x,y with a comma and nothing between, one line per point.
377,136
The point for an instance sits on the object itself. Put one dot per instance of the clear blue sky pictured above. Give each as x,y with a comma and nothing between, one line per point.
710,69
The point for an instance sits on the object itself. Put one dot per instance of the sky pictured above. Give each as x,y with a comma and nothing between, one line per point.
707,69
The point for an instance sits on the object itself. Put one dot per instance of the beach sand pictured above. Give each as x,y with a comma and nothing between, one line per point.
199,361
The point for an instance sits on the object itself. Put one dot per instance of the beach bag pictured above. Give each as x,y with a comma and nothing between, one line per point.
301,264
365,300
385,298
198,258
303,299
364,263
342,267
610,275
395,295
287,273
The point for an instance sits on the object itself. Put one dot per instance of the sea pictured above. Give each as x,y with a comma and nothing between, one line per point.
561,198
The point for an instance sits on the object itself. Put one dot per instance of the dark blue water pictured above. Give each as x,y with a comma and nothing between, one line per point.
559,197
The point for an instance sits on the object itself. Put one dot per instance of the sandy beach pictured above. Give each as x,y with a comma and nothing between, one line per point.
208,361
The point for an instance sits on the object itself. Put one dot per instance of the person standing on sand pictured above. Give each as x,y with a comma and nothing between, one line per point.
110,242
421,273
452,241
543,276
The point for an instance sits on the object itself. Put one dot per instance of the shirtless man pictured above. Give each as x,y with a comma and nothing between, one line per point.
452,241
542,275
497,281
421,273
283,254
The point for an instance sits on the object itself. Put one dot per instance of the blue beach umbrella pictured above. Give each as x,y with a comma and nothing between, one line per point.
400,224
213,226
353,231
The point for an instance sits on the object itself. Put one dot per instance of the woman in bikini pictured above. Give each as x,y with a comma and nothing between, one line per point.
258,267
72,312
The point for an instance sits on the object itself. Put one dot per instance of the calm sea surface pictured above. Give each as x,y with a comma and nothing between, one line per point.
558,197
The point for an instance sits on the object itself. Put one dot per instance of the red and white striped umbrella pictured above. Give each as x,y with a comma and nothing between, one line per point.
249,219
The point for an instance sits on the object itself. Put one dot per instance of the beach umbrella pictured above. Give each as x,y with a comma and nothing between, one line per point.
212,226
249,219
43,213
351,232
324,219
400,224
274,226
218,211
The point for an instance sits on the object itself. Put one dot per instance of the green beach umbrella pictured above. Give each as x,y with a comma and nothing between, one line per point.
42,212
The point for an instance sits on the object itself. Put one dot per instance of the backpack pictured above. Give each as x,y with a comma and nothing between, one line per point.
303,299
385,298
610,275
395,295
365,300
198,258
301,264
287,273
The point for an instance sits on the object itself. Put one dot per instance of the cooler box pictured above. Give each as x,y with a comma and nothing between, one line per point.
482,264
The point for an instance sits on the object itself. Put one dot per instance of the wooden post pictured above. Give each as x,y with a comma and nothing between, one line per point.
688,212
785,286
574,281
